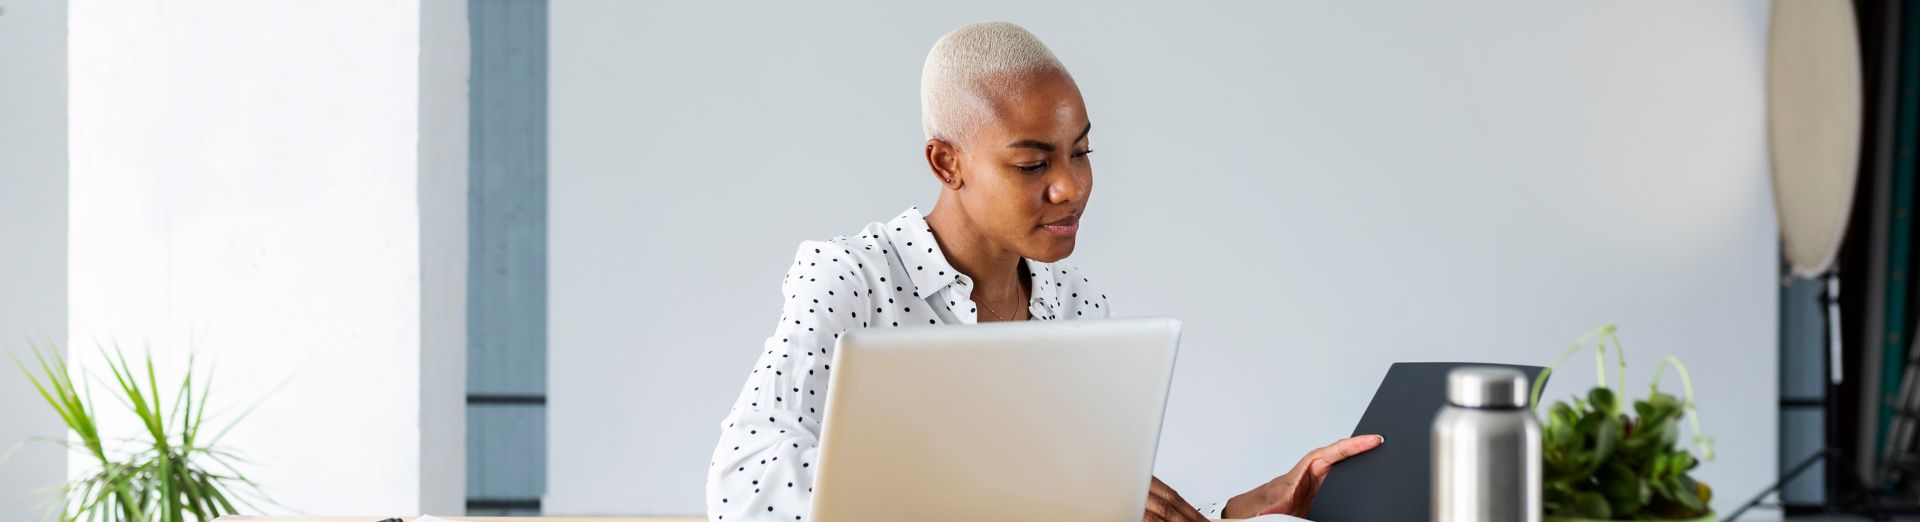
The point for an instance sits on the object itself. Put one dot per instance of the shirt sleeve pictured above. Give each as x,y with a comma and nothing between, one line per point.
1212,509
763,465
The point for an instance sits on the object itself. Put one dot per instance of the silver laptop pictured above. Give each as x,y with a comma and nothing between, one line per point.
1055,421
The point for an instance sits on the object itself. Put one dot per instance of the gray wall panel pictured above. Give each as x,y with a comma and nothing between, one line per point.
1803,345
506,457
509,198
507,450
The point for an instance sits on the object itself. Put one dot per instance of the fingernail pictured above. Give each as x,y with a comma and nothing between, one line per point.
1383,438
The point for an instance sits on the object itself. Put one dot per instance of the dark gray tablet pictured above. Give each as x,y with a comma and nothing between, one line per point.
1393,481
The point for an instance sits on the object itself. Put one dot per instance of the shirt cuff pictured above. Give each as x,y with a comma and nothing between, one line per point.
1212,509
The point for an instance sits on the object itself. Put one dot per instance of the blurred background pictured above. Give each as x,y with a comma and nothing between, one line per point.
490,256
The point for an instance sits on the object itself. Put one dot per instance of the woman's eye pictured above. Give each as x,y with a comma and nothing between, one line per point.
1037,167
1083,153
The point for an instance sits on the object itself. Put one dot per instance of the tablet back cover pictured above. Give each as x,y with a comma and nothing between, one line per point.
1393,481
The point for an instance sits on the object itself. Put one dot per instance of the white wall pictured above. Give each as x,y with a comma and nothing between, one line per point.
33,233
263,182
1318,189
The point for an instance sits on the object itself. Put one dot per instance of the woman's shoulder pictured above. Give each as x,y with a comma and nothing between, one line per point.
866,250
851,266
858,251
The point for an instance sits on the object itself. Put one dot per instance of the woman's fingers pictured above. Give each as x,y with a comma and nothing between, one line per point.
1336,452
1185,511
1312,470
1164,510
1293,492
1343,448
1156,510
1316,475
1165,504
1170,512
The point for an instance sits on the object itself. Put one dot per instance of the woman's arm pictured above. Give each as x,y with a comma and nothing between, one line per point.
763,465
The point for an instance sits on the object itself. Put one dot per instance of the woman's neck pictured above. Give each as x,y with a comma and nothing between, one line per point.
995,271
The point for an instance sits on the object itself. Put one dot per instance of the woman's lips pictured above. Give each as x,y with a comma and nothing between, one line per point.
1063,228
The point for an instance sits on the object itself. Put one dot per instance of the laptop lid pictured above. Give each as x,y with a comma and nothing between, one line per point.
1394,481
1055,421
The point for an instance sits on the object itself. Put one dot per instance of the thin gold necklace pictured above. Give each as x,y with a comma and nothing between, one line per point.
996,314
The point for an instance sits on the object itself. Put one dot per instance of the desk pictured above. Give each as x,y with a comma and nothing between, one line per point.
248,518
461,519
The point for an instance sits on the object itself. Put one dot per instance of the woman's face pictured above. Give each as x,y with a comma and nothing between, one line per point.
1025,174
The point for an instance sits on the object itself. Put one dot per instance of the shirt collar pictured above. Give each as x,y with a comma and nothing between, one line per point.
927,266
1046,290
920,255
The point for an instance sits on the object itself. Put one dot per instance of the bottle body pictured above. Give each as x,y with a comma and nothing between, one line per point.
1486,465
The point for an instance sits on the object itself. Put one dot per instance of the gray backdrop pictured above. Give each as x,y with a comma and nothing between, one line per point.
33,271
1317,189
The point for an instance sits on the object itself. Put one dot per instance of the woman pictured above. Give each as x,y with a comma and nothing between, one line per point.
1007,140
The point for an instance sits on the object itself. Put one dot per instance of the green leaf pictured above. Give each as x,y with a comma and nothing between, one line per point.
1686,492
158,475
1588,504
1605,432
1603,401
1682,461
1561,414
1626,493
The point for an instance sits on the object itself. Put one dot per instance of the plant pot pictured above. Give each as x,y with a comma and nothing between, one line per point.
1708,518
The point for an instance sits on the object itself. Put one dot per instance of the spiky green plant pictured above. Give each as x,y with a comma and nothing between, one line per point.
167,473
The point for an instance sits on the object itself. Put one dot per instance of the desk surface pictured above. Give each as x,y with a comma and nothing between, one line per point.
459,519
244,518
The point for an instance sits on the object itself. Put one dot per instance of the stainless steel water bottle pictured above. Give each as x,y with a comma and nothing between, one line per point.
1486,449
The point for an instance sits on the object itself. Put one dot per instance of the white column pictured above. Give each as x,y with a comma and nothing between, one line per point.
33,235
273,184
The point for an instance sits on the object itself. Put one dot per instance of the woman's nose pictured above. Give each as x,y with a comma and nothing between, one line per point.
1068,187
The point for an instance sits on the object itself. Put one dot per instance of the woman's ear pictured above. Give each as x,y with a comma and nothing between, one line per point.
944,160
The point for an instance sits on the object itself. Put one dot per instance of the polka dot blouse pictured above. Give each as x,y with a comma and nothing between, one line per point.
889,275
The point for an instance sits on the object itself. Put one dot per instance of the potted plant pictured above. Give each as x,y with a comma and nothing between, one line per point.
1600,461
171,471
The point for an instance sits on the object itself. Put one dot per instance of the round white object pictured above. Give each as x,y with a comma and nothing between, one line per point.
1814,113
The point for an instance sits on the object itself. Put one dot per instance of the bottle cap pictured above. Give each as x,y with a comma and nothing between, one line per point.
1487,387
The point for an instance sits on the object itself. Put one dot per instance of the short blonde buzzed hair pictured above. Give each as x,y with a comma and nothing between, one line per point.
971,65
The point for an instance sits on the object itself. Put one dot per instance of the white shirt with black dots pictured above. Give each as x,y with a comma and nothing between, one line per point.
888,275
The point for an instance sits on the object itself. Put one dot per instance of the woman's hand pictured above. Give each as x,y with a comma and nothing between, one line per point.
1164,505
1292,493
